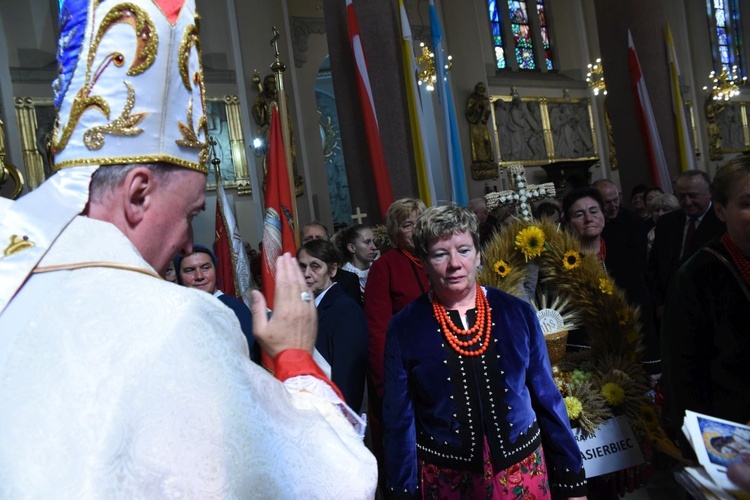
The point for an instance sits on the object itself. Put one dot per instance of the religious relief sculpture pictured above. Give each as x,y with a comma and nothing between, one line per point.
712,109
262,115
571,130
520,130
478,112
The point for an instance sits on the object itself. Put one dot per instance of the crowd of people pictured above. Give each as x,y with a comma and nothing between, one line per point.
126,372
433,420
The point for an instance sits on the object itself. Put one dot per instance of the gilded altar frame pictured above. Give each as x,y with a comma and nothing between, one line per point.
225,126
545,137
36,120
733,127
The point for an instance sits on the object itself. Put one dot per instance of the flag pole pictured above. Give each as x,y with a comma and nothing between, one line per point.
278,69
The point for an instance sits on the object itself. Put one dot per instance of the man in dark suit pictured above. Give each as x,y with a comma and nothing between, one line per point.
681,233
624,248
348,281
198,270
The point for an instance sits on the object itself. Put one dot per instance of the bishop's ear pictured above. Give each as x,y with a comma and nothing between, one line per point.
138,190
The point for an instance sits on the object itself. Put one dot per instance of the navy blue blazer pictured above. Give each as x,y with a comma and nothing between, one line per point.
438,405
243,314
342,341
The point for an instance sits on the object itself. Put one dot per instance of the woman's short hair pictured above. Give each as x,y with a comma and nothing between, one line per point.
667,202
441,221
577,194
732,173
322,250
651,190
638,189
548,207
398,212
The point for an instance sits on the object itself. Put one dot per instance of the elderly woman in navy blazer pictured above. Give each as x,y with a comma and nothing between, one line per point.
470,407
342,328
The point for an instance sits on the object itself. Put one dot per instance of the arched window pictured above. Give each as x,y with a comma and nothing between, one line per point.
516,32
726,35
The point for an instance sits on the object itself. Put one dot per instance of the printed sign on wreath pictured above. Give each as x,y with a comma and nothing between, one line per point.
613,447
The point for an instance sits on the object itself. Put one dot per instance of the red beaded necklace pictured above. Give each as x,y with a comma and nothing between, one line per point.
482,326
602,249
740,261
412,258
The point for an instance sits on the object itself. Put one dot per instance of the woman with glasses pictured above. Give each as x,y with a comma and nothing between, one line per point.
395,280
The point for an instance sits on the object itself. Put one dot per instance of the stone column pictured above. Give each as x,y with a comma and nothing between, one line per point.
378,23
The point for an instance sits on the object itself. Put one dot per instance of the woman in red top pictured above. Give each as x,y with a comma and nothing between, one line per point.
395,280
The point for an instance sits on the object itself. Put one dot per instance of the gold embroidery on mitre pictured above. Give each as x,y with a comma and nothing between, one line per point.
148,40
145,55
190,136
111,160
17,244
189,40
125,124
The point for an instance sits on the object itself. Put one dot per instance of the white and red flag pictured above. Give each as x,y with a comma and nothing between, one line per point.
278,220
233,274
654,150
377,159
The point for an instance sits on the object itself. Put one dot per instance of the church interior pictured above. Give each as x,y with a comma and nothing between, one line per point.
460,100
558,75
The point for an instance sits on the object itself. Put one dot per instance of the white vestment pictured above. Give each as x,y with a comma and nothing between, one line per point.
116,384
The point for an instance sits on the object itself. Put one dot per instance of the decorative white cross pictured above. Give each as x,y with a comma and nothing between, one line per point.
358,216
520,195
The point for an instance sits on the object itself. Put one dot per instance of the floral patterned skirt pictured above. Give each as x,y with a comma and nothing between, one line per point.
526,480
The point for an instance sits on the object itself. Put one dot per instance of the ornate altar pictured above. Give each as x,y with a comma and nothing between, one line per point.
543,130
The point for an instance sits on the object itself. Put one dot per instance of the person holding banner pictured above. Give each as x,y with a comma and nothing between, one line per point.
470,407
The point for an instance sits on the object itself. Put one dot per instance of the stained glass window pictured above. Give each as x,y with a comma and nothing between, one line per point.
497,33
519,23
724,24
521,34
546,46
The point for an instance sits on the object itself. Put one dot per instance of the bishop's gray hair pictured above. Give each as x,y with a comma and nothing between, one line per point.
107,177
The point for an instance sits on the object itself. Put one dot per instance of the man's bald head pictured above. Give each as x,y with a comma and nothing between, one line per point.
314,230
479,207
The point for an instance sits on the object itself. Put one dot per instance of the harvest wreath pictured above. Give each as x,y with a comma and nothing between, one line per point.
606,379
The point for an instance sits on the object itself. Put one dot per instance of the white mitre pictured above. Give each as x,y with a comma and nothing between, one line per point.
130,90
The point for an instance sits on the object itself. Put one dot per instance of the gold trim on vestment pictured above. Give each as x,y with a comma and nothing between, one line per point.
125,160
84,265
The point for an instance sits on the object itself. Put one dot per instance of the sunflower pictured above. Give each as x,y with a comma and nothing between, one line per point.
530,241
571,260
606,286
573,406
502,268
613,393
